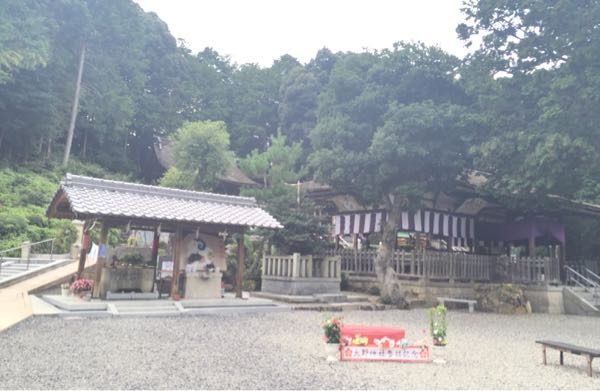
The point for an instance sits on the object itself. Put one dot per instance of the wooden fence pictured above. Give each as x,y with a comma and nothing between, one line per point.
439,265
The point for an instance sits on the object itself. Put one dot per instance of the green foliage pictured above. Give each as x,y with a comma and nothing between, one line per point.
252,264
277,165
437,325
134,259
249,285
332,328
113,238
200,149
391,119
543,134
24,43
374,290
177,179
303,232
24,196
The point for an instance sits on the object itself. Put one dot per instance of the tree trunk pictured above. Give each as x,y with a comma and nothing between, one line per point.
84,146
386,275
75,107
49,149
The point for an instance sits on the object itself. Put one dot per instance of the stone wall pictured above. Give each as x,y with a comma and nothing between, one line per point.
126,279
543,299
299,286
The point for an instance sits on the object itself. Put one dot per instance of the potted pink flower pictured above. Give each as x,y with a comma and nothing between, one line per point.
82,286
332,328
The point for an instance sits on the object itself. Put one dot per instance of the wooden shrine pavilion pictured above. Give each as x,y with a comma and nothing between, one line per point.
198,221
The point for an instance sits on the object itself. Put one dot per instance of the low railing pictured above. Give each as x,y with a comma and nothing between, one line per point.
301,266
591,285
25,252
454,266
527,270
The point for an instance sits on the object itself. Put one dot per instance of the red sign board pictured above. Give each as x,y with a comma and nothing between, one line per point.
367,343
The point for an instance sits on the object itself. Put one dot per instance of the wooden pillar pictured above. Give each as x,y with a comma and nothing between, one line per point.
101,257
240,264
85,238
154,258
531,246
177,240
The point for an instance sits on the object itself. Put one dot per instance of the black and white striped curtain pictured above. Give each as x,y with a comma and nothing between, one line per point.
426,221
358,223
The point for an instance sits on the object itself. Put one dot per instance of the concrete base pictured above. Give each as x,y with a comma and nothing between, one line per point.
575,305
126,279
71,303
203,285
300,286
131,296
545,299
229,302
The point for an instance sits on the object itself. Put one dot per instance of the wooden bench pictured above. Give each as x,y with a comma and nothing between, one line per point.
577,350
471,303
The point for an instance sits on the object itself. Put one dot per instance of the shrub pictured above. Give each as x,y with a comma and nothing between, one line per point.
133,259
332,328
374,290
249,285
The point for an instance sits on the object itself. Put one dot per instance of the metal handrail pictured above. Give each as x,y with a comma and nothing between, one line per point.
2,252
571,272
594,275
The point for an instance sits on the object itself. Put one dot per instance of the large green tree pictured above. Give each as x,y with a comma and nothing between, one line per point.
391,126
200,152
537,81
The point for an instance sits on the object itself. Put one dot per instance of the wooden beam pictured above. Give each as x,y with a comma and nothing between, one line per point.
82,254
177,241
101,257
154,258
241,255
531,246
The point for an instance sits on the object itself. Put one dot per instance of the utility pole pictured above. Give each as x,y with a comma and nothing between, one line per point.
75,107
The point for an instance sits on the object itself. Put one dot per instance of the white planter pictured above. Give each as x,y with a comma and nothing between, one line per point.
332,351
64,291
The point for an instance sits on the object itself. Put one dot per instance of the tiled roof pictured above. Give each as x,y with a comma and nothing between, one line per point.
100,197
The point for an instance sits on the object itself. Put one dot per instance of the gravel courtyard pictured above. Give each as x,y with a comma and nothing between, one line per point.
285,351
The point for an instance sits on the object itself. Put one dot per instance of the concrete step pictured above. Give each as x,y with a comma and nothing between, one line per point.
150,312
333,307
331,298
21,267
416,303
146,308
14,273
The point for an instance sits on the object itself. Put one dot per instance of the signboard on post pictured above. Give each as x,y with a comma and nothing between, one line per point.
367,343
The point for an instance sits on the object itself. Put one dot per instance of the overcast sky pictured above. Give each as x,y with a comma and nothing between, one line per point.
259,31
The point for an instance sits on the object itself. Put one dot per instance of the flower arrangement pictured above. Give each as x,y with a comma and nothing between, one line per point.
332,328
82,285
437,323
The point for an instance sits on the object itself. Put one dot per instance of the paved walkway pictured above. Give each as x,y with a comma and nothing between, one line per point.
70,305
15,303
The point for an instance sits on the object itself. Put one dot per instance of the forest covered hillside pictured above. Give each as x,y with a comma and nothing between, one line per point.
378,123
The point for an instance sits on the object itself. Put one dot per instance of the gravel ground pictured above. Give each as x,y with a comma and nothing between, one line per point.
285,351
